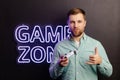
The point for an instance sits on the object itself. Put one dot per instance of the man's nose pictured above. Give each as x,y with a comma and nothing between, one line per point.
76,24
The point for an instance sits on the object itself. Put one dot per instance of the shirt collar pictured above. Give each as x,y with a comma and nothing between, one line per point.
83,37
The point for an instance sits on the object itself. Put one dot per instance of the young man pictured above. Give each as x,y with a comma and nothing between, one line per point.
79,57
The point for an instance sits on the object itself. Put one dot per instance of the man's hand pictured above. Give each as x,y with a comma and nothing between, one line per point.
63,61
95,58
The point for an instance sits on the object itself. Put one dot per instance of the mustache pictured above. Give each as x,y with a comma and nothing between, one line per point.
75,29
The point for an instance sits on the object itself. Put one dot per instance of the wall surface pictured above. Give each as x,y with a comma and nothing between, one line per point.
103,24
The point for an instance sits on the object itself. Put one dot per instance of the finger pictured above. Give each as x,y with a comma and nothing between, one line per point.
64,59
92,59
66,62
96,51
91,62
92,56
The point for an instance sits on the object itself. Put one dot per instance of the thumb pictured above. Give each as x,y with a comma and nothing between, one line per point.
96,51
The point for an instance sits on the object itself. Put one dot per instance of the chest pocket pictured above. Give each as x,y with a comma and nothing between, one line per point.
86,53
84,57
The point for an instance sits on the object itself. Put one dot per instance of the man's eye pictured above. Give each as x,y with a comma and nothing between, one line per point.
79,21
71,22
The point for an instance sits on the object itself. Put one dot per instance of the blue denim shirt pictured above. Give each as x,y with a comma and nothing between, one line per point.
77,69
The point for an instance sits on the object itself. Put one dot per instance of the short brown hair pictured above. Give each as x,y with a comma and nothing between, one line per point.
76,11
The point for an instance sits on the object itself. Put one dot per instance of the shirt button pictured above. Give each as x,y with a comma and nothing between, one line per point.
77,72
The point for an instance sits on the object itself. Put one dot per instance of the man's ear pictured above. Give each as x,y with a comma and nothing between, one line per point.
85,23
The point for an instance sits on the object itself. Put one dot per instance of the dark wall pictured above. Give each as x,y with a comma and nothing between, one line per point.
103,22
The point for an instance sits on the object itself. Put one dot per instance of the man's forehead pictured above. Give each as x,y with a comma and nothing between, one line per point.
76,17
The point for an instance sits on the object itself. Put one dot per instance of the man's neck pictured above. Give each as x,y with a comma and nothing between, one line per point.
77,38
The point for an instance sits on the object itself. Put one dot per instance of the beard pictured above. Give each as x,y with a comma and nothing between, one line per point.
76,33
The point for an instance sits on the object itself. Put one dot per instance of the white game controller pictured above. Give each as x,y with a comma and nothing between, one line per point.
69,54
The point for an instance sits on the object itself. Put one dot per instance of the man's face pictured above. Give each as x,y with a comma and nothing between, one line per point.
76,24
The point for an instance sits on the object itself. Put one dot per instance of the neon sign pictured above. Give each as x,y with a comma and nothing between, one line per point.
35,44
